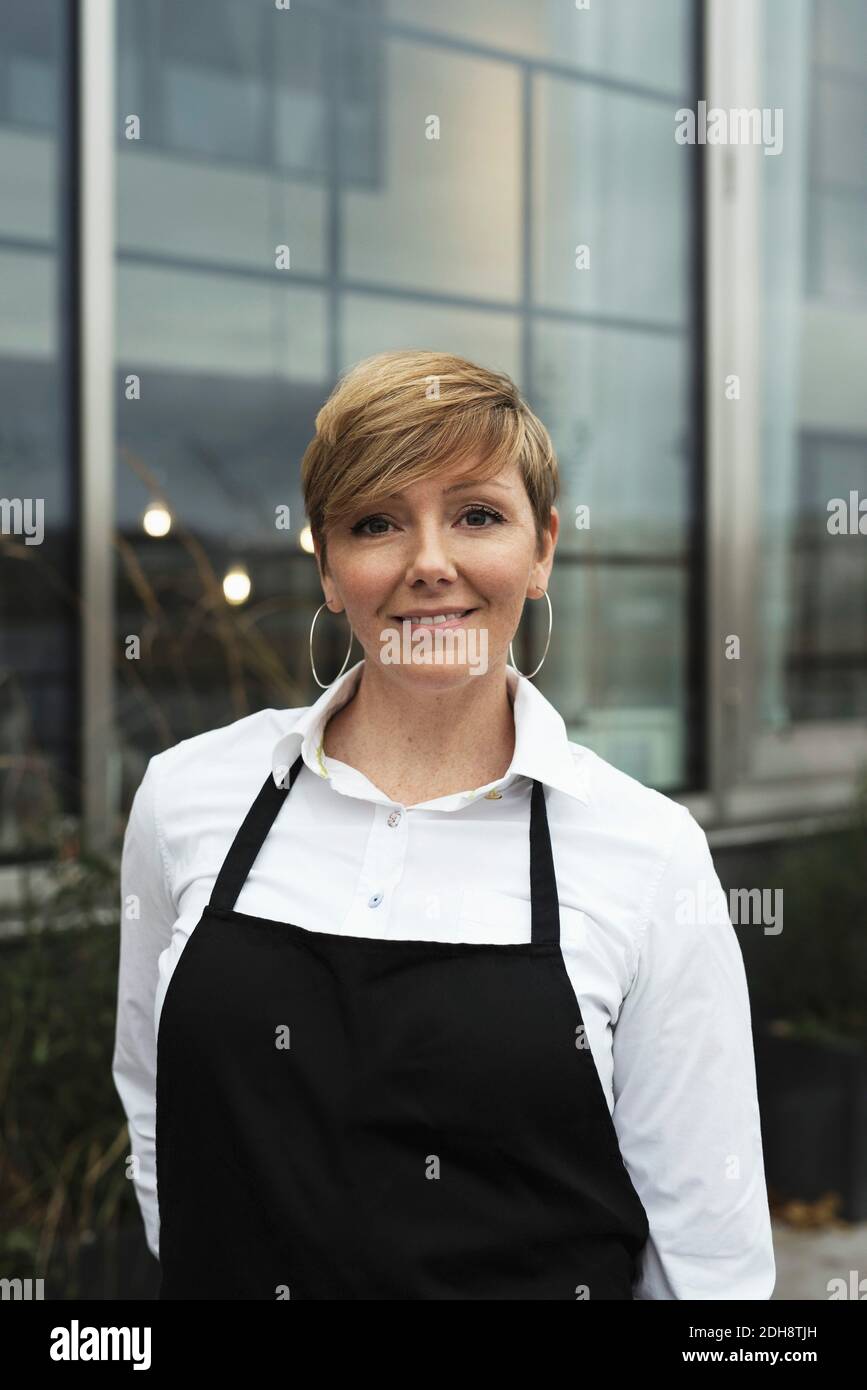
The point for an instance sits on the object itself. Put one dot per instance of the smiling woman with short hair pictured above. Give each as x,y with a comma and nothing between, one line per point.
431,1020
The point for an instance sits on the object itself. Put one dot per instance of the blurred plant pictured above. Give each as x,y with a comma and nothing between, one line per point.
63,1134
815,985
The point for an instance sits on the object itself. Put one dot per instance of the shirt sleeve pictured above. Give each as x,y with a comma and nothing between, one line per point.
147,917
686,1108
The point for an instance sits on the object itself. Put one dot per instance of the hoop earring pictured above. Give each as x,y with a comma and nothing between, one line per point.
346,659
547,644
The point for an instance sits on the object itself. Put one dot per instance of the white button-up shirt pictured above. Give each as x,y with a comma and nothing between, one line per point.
658,976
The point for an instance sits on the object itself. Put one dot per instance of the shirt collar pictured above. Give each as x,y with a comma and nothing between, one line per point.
542,748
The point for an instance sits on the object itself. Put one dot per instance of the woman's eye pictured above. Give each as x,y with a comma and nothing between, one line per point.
358,528
380,524
484,512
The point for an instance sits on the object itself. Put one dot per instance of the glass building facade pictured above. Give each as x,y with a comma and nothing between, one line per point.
298,187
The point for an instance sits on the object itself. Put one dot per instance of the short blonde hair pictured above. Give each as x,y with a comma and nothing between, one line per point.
400,416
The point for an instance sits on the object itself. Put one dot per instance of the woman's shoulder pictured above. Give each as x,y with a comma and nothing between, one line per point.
632,835
617,799
246,743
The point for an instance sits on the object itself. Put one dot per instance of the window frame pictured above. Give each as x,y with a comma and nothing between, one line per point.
748,787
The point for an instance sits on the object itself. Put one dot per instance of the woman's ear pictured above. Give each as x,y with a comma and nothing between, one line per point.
321,561
541,572
329,595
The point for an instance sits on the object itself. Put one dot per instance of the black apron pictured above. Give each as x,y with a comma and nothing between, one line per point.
339,1117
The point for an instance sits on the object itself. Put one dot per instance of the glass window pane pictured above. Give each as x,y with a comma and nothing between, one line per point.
211,80
643,41
372,324
837,268
840,34
824,664
29,88
616,667
38,532
618,408
202,322
223,214
840,151
446,215
609,176
812,647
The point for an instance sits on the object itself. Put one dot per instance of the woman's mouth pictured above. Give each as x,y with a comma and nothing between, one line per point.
450,617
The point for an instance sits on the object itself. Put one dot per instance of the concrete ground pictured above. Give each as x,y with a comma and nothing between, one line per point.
807,1259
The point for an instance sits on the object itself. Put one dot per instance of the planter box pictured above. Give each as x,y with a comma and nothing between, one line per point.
813,1103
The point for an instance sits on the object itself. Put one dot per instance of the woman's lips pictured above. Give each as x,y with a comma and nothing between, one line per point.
415,626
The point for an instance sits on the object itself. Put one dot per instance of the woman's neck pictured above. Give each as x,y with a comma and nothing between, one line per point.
416,745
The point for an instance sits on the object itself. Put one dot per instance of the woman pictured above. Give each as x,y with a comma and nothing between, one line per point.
438,942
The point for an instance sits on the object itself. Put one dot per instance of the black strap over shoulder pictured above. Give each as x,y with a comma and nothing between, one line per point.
250,839
544,899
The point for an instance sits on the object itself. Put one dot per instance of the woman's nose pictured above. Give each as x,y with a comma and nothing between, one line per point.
429,553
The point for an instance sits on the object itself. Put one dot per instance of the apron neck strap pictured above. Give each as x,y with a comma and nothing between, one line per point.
250,839
545,911
544,899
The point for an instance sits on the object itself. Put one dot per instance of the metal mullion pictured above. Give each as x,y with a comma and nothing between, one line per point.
732,305
93,331
332,38
697,768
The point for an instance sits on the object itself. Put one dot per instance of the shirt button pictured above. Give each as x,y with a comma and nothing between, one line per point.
375,900
493,796
394,818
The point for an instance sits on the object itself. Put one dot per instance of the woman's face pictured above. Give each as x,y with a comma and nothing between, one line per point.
443,545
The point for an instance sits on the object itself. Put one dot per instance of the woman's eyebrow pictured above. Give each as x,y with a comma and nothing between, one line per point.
458,487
